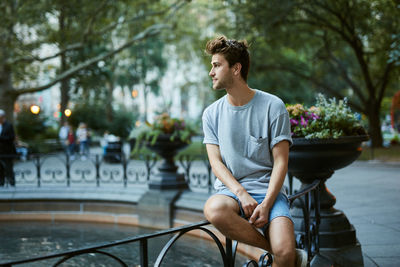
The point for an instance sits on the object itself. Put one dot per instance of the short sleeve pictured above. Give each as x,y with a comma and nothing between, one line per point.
209,129
280,130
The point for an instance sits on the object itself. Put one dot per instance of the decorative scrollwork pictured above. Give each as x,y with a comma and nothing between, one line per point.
68,257
181,233
265,260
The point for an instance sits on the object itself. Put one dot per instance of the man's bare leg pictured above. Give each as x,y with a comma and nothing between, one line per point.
281,239
223,212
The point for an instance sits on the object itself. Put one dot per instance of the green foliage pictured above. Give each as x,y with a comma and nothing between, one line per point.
343,48
30,126
327,119
122,123
177,129
94,115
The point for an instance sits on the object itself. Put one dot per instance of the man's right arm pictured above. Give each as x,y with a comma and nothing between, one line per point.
226,177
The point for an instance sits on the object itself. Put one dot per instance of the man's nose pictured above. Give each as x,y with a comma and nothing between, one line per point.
211,73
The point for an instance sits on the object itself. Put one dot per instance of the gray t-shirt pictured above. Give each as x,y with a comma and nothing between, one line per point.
245,136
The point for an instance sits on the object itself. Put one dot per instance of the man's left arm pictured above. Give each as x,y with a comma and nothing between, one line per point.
280,153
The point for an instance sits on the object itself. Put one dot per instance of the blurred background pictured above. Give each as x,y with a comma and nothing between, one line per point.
116,64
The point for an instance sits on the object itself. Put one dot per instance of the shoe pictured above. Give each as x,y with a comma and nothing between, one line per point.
301,258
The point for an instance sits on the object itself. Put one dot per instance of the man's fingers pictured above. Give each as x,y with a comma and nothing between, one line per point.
260,222
253,217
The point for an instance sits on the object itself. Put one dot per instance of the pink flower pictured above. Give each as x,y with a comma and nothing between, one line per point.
303,121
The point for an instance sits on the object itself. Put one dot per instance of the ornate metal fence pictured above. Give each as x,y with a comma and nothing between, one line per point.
60,169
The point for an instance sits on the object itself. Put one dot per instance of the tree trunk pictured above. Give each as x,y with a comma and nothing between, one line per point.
145,92
64,87
7,93
109,100
375,126
7,102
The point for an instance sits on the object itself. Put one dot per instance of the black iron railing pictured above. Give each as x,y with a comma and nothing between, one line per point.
307,240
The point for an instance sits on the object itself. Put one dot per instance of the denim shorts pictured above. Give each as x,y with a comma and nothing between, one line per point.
280,208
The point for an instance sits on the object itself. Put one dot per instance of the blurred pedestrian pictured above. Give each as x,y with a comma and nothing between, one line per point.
7,150
63,136
104,142
71,143
82,135
21,149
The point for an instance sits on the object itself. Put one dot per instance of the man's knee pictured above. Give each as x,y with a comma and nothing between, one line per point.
217,208
284,252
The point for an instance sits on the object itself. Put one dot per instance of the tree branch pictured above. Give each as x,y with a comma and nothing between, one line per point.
79,45
385,80
139,17
352,40
344,73
323,86
150,31
32,58
92,18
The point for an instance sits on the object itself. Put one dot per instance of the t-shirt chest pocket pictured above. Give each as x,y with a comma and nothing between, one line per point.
258,149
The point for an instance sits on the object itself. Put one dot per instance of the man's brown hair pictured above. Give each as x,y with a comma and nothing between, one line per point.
234,52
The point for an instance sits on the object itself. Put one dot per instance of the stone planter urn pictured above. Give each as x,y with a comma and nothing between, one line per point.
311,159
167,176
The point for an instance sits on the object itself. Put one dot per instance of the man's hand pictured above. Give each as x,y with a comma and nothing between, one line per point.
260,216
248,204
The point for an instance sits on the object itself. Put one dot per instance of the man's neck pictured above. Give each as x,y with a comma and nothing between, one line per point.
240,95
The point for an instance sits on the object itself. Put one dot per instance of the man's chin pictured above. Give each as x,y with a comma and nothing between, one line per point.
217,88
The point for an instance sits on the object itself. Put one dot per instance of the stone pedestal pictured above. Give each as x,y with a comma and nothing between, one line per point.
311,159
167,177
155,208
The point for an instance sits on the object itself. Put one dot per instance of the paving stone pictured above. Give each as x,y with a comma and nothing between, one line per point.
388,262
382,251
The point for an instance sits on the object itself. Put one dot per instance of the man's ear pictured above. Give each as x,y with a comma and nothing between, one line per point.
237,68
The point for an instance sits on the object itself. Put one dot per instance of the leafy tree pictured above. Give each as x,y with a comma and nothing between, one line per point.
30,126
93,114
344,48
67,31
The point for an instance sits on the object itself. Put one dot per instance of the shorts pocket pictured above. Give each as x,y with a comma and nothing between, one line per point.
258,149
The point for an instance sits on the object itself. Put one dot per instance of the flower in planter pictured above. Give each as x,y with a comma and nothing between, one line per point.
176,128
327,119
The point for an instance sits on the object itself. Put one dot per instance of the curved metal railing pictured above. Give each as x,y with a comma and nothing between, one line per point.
308,240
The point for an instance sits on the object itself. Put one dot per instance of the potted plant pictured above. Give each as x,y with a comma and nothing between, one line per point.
326,137
165,136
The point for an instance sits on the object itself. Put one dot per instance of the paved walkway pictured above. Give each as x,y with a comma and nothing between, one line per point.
369,194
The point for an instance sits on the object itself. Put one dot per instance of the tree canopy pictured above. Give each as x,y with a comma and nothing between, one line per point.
49,42
343,48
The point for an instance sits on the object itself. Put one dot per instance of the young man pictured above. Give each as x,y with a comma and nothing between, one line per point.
247,136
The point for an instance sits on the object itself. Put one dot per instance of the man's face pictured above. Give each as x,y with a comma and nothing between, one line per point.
2,119
220,72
